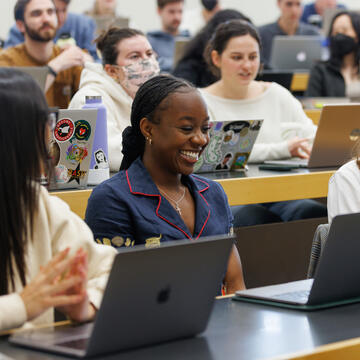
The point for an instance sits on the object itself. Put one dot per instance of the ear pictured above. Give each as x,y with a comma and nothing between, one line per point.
215,58
21,26
111,71
146,128
159,11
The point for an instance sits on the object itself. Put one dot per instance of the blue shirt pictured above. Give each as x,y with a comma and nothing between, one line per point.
80,27
164,45
128,210
309,9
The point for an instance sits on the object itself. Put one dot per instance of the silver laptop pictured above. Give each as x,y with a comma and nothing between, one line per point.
337,275
180,45
230,145
105,22
153,295
38,73
336,136
295,52
71,148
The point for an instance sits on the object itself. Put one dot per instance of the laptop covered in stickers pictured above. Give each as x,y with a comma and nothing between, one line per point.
230,145
71,148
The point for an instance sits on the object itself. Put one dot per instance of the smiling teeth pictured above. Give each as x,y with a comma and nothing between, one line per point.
191,154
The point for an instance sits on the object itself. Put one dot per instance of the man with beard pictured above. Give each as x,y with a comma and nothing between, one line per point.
37,20
163,41
79,28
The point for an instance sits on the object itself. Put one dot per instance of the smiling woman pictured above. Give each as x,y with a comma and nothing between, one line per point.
155,198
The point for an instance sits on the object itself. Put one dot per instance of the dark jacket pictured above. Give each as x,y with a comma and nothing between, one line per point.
325,81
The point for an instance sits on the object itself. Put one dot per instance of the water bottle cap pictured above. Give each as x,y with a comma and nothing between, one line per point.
96,98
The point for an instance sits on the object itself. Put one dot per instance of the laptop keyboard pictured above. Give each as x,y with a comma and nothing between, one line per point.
295,296
79,344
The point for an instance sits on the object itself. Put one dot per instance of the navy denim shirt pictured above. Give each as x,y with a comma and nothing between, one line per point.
128,210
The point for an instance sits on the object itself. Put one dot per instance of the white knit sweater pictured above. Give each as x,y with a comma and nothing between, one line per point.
283,117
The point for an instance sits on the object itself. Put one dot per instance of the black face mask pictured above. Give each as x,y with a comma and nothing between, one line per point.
341,45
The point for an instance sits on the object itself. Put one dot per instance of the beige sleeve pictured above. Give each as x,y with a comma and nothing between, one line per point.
12,311
68,230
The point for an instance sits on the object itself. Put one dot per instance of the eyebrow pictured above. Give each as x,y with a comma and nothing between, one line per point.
192,118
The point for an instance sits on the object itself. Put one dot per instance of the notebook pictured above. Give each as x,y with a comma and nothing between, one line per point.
230,145
337,275
153,295
295,52
71,148
336,136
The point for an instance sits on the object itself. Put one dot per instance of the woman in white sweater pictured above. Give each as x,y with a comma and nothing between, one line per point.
233,56
128,61
48,257
344,188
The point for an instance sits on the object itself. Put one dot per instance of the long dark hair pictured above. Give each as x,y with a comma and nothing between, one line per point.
195,48
147,103
24,114
224,33
355,22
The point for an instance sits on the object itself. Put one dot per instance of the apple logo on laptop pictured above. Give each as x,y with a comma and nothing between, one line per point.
164,295
301,56
355,134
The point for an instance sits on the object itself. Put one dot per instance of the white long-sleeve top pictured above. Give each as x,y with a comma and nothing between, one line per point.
95,81
56,228
344,191
283,118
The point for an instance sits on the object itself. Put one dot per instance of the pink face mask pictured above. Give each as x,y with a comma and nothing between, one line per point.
137,73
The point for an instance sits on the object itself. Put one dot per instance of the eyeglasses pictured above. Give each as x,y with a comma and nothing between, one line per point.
51,121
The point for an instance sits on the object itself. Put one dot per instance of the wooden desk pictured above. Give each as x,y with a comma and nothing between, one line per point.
299,82
249,331
242,188
314,115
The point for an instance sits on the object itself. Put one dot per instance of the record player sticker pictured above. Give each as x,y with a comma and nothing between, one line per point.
82,130
64,130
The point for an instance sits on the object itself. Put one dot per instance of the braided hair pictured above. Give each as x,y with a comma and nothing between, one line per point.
149,100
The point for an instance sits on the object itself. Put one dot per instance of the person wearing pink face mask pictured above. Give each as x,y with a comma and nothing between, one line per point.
128,60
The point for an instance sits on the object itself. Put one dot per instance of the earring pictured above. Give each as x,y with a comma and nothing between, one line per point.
149,140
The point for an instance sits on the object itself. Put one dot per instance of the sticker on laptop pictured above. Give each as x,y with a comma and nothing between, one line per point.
82,130
76,153
237,127
76,174
240,160
64,130
100,159
224,165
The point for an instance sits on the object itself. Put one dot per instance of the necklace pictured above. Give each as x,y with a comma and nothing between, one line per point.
176,202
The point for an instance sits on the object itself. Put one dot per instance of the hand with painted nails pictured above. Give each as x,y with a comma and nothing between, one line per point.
56,286
299,147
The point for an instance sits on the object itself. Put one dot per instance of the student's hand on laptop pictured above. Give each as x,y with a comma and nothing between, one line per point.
299,147
72,56
50,288
83,310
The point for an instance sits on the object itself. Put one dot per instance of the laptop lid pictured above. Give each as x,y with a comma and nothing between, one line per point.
71,147
152,295
336,278
180,45
284,78
38,73
230,145
104,22
295,52
336,136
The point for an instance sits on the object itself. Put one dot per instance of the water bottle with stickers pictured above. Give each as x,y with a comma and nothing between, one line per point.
99,164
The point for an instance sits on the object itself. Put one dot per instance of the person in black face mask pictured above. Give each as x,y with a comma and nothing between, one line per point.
339,76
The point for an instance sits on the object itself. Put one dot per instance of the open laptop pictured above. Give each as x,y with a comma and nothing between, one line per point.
230,145
180,45
104,22
284,78
38,73
71,147
337,275
337,134
295,52
152,295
